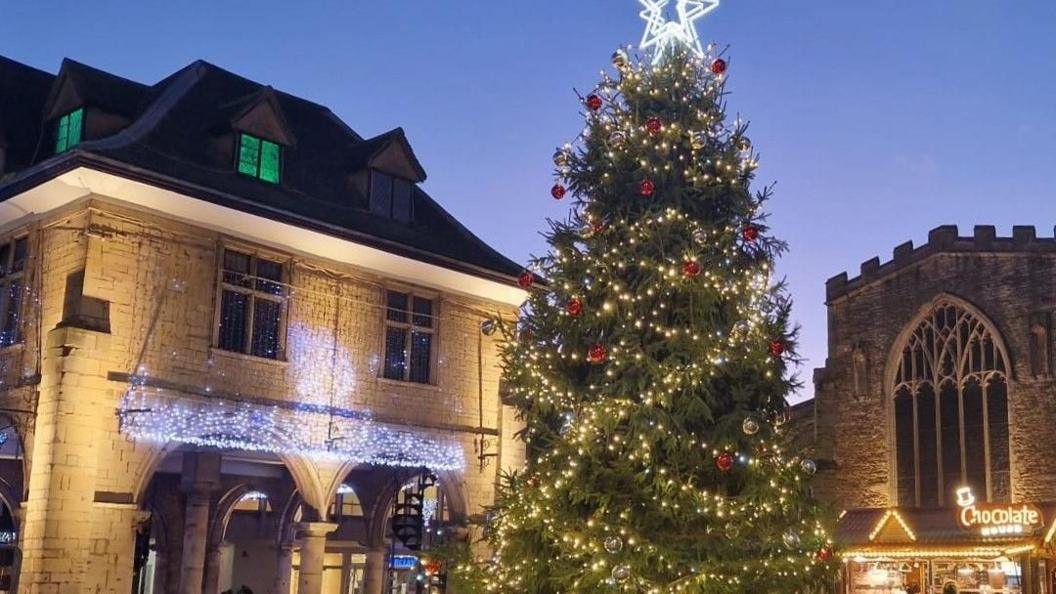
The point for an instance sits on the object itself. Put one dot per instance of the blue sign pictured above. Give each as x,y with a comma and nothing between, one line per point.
403,562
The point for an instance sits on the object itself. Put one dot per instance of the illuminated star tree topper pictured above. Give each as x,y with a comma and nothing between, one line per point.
664,35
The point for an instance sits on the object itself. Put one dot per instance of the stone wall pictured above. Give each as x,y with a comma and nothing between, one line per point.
1009,280
119,293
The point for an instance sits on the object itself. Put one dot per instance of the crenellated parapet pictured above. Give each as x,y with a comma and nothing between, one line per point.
944,239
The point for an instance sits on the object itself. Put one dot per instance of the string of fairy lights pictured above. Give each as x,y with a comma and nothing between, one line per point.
614,285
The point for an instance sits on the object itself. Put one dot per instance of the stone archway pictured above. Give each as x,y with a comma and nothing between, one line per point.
195,495
12,492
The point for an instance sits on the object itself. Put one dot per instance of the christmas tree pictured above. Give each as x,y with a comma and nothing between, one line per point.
652,362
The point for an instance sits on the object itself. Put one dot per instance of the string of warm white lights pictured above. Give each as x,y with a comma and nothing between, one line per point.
651,370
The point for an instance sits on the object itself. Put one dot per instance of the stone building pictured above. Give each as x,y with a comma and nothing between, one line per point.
239,345
935,408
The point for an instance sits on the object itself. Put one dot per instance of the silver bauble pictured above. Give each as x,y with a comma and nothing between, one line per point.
561,158
621,573
614,544
750,426
617,138
809,466
732,531
791,539
744,145
698,140
620,59
488,327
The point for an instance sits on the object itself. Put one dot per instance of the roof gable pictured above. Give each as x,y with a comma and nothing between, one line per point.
78,85
892,528
390,153
65,97
263,117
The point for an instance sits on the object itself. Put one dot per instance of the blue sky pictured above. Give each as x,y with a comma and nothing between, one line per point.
878,120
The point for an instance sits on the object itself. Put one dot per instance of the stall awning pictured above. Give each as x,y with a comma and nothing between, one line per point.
984,530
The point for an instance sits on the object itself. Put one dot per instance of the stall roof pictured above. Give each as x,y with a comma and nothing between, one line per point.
905,532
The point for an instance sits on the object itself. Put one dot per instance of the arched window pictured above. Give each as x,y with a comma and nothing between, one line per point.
346,504
951,410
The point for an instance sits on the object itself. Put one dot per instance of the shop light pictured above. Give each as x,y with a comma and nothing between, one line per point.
883,522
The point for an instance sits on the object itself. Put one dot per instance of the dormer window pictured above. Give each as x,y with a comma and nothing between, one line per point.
69,130
390,196
259,158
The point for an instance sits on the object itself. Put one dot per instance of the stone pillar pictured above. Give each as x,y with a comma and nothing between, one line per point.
374,572
285,569
201,476
211,579
313,547
64,546
161,570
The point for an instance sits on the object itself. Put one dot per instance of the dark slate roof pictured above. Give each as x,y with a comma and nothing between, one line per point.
181,136
23,92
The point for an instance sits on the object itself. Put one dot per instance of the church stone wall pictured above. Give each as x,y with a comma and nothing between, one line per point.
1009,280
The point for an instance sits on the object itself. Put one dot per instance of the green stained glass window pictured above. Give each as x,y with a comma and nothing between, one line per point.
259,158
269,162
249,155
69,130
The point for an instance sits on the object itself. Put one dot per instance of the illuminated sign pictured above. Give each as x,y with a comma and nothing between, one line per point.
996,519
403,562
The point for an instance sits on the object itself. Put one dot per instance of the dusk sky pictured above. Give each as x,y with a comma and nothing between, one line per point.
877,120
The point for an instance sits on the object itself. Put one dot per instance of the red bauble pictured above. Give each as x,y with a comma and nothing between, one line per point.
777,348
691,268
432,566
750,233
647,188
598,226
654,125
574,307
718,66
558,191
598,354
724,461
526,280
824,554
594,102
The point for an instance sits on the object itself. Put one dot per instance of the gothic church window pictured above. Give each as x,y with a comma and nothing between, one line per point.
951,410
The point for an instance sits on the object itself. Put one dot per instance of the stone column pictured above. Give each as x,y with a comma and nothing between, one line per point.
211,580
374,572
63,543
313,547
201,476
285,569
161,569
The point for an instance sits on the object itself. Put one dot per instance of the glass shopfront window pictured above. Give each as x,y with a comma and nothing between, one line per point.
887,577
967,576
971,577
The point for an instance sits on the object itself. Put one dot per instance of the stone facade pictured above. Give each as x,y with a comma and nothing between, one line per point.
116,296
1009,283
